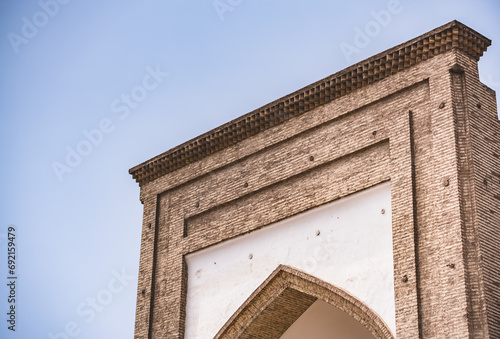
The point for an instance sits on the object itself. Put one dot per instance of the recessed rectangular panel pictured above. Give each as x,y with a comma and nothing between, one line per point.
347,243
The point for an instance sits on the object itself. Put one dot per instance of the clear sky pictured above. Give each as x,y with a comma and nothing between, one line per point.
89,89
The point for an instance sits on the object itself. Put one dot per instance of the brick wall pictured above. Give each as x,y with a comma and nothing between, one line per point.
417,124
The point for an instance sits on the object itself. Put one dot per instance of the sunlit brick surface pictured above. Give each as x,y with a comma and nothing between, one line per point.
416,116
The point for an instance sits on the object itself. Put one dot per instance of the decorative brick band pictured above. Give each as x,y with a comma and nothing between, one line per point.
453,35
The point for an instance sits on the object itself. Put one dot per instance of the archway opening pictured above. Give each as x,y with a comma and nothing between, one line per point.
292,304
324,321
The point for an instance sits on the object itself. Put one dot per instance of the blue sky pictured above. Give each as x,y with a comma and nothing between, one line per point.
123,81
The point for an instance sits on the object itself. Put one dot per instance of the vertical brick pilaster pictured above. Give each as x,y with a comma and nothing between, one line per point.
482,133
403,223
146,268
476,314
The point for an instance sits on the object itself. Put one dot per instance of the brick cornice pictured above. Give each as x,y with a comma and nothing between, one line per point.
453,35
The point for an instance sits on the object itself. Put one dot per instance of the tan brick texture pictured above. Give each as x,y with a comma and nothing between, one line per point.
416,115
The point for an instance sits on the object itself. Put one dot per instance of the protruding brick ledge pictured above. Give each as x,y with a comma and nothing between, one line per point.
453,35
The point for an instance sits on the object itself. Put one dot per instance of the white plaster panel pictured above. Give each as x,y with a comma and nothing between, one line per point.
353,251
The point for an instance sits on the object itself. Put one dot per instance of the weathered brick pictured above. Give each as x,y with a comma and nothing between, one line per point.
416,115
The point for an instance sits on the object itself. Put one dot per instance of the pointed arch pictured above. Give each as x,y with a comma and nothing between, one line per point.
284,296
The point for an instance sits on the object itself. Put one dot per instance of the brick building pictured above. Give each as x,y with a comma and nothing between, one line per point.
366,204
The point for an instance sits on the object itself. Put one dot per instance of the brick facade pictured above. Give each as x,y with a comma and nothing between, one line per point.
416,115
